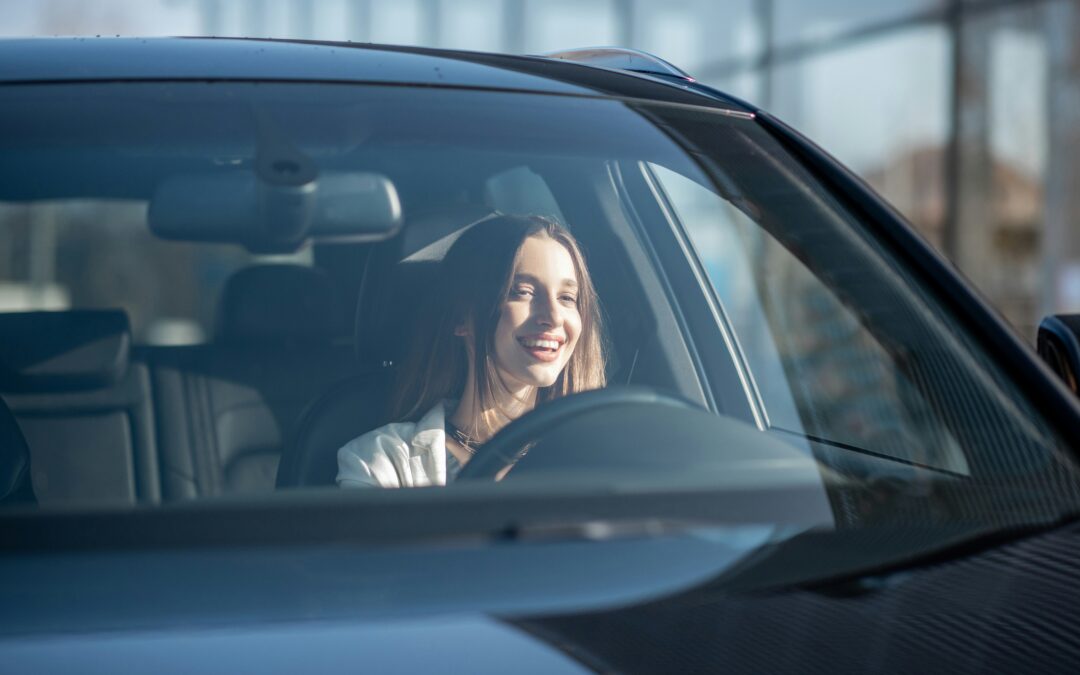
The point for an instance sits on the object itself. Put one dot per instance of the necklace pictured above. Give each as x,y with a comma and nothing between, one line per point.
461,437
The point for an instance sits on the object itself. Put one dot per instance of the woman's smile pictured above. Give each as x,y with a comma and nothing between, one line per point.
542,347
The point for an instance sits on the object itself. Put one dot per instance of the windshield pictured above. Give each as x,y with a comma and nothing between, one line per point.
164,342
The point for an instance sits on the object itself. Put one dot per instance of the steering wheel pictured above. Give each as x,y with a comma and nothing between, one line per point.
509,444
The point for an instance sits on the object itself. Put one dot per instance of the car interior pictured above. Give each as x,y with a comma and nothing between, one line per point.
313,297
301,357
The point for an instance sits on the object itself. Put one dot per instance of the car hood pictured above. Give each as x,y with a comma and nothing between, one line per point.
591,568
404,608
961,613
474,644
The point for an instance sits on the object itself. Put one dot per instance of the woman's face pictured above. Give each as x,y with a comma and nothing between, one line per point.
539,325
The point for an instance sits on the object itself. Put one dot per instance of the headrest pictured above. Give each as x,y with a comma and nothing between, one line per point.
278,304
62,351
398,275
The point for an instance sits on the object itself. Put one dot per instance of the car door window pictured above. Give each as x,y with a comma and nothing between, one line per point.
818,370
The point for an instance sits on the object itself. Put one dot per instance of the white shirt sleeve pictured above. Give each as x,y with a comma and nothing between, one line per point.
379,458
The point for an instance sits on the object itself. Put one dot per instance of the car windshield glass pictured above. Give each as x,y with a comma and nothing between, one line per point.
215,290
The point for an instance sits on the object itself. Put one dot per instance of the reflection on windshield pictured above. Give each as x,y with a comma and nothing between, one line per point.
205,363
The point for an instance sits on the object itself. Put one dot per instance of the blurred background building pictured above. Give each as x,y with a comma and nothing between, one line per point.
965,114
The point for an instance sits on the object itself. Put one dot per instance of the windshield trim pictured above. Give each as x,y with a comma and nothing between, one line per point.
707,105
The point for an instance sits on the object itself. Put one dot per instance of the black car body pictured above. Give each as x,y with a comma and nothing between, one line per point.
890,486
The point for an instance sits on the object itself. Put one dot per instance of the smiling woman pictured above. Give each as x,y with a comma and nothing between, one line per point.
514,321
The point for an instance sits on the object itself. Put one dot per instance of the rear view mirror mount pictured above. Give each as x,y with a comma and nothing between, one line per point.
277,205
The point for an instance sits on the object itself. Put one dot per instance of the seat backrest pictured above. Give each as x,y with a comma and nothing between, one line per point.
396,277
83,406
345,411
226,408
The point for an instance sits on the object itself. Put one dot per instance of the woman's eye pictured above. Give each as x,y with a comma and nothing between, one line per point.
568,299
520,292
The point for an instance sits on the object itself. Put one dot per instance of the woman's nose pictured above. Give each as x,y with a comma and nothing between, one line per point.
546,311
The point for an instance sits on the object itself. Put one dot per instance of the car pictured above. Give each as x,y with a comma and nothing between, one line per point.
818,449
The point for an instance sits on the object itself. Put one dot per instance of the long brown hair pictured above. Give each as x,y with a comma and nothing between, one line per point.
474,281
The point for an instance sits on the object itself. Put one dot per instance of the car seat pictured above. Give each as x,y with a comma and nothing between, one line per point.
83,405
226,408
396,276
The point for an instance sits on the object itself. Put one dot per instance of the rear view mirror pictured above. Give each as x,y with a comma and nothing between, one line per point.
1059,345
240,207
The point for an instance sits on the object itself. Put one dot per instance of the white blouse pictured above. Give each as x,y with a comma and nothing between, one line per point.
400,454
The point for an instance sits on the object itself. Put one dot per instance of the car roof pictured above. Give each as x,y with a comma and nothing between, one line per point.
96,59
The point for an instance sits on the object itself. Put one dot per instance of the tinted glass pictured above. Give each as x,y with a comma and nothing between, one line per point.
822,341
819,369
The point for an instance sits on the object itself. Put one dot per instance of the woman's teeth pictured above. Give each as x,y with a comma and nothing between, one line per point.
542,344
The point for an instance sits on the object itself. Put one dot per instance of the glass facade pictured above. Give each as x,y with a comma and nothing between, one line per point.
964,114
891,128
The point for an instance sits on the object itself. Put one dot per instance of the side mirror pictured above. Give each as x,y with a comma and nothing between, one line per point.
1059,345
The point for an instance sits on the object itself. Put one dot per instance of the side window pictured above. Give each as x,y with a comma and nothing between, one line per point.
819,371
